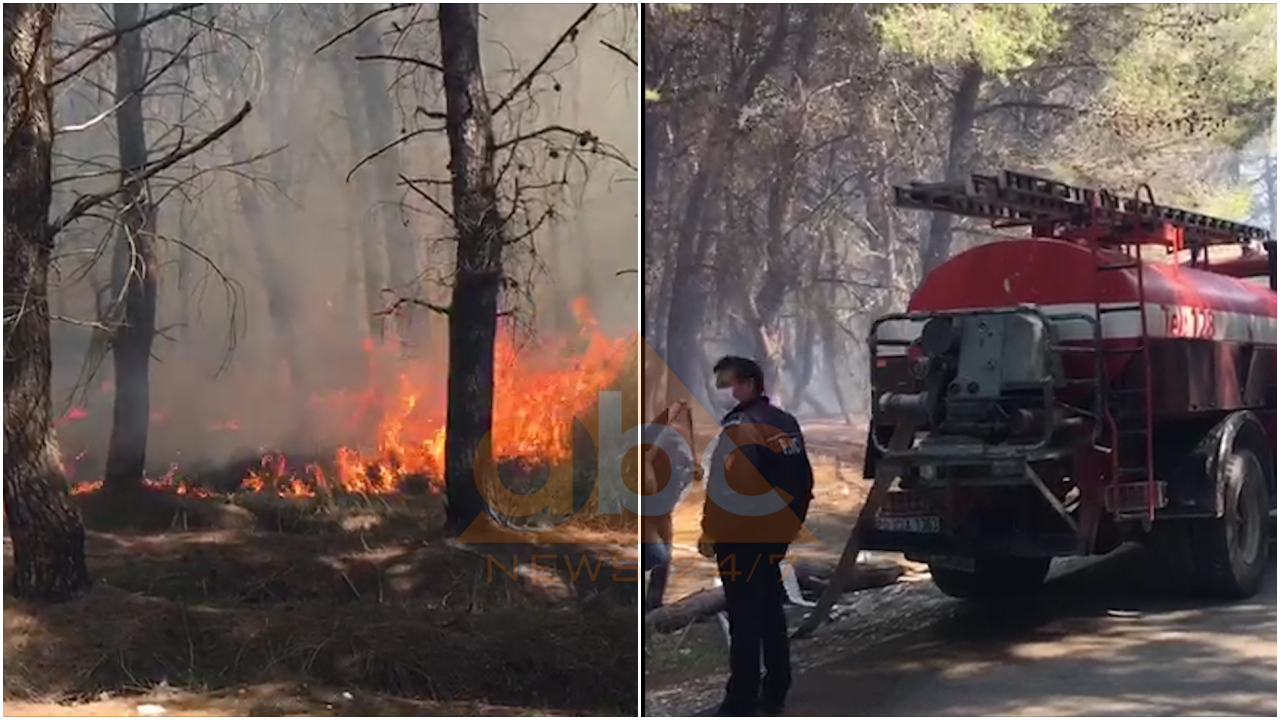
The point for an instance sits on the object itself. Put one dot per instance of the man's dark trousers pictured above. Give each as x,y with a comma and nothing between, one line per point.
753,595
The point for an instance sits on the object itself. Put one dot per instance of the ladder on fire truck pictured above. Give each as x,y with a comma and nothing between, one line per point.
1115,229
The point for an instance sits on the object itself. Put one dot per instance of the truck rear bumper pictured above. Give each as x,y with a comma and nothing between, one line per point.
925,544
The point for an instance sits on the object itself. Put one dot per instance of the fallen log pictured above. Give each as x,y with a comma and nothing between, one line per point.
705,603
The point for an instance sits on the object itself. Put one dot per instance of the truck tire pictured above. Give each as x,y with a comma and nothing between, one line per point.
1230,552
994,578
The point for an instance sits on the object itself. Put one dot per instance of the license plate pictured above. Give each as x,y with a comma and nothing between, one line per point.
911,524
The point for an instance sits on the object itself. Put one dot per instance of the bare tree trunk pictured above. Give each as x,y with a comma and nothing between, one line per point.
937,247
134,285
827,327
1269,179
583,246
473,311
402,253
185,281
807,337
559,295
278,282
48,537
375,275
688,301
286,323
782,266
883,238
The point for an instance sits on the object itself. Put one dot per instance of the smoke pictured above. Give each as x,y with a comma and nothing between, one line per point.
221,381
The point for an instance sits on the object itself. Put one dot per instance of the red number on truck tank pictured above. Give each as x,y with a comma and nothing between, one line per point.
1189,322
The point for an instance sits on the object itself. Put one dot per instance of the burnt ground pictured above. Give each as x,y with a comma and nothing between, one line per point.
1107,637
280,607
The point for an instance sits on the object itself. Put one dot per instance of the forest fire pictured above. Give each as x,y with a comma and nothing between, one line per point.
538,392
169,482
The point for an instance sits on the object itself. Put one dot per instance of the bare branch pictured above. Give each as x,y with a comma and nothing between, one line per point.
402,301
86,202
423,194
404,59
626,55
403,138
360,23
568,36
579,134
584,140
114,35
140,89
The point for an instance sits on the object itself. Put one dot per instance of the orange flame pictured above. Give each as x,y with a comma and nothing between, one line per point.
169,482
537,394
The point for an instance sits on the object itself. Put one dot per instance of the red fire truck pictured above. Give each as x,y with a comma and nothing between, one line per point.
1110,378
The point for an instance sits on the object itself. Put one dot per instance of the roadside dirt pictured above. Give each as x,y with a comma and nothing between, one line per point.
1105,642
1107,637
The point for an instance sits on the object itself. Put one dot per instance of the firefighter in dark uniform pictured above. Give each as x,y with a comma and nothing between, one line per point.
747,528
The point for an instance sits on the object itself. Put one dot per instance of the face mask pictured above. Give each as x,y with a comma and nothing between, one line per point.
725,399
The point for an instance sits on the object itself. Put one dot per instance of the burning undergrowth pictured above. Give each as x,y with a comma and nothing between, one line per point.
545,397
326,567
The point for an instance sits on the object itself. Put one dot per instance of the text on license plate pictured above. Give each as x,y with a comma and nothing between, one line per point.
911,524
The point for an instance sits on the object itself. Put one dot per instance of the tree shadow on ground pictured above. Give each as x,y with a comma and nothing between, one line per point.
1113,639
386,611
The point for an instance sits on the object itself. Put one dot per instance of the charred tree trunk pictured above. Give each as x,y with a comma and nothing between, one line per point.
402,252
964,108
48,537
473,310
134,285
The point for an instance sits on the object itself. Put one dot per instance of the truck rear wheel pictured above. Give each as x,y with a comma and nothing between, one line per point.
1230,552
993,578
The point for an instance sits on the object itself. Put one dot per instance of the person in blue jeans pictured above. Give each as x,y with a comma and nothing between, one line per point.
670,460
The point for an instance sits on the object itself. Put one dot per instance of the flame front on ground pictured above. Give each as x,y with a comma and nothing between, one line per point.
538,391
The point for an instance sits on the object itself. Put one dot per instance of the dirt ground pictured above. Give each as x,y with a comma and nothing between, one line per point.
1106,638
1106,642
262,701
283,612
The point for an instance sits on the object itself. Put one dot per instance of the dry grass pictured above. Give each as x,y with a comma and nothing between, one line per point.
267,700
365,597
